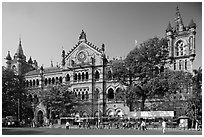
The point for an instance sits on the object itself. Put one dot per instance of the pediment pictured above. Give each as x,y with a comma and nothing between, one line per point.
81,54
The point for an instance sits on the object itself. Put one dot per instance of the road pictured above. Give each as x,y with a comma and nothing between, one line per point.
63,131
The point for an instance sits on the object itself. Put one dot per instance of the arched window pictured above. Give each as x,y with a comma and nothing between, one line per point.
75,77
57,80
82,76
35,99
87,95
67,78
97,94
83,97
97,75
87,75
53,80
79,77
110,94
33,82
174,65
177,51
109,75
45,81
60,79
27,83
179,64
181,50
186,65
37,82
49,80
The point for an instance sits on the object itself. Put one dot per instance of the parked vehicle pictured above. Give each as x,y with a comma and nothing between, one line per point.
12,121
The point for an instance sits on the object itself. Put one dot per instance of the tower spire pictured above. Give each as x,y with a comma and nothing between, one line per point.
178,20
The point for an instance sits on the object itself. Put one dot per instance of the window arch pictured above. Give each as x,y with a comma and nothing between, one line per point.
87,75
87,95
110,94
49,80
82,76
79,77
57,80
97,75
97,94
33,82
53,80
60,79
75,77
179,64
174,65
186,65
45,81
27,83
83,97
161,69
67,77
37,82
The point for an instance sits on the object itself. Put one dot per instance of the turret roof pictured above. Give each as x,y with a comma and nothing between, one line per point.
169,28
192,24
8,57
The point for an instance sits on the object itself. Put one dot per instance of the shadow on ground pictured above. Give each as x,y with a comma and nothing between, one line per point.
20,132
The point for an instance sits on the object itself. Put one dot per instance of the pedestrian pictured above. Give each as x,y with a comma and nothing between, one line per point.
143,125
67,125
163,126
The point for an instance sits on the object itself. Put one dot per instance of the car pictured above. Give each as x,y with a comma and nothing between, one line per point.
12,121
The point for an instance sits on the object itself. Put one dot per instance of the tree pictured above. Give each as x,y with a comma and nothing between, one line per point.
194,103
14,99
139,68
59,100
144,74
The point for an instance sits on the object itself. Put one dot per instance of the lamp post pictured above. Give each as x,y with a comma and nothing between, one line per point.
42,78
98,110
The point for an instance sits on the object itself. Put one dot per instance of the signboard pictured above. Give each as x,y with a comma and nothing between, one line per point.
152,114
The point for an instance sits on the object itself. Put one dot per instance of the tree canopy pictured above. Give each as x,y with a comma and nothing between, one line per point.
144,73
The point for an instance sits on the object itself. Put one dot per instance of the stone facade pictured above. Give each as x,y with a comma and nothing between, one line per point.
88,73
181,44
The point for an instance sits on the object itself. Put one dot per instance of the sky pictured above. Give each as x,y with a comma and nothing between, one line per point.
47,28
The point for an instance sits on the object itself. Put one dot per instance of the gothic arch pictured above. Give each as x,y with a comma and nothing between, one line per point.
111,94
97,75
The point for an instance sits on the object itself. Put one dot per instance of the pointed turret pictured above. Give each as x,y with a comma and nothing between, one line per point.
8,57
192,24
30,61
82,36
169,28
19,53
178,21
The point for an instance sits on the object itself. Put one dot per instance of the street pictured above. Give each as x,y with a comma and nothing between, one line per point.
63,131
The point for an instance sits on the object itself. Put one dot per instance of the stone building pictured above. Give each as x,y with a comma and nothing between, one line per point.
88,73
181,44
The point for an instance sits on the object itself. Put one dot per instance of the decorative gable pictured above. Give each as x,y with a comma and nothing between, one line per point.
82,53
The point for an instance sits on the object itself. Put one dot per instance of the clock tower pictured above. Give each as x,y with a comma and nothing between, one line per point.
181,44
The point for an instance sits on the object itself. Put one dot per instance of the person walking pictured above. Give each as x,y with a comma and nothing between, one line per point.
67,125
164,126
143,125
